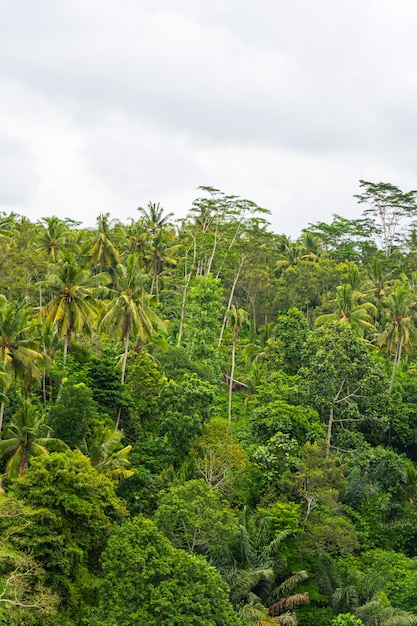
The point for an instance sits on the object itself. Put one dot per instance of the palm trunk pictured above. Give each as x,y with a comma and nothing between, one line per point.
67,342
2,412
126,351
124,362
396,364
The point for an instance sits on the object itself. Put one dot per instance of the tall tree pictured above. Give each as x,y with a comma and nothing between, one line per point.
129,311
337,374
237,318
75,298
399,329
390,206
102,244
53,237
18,350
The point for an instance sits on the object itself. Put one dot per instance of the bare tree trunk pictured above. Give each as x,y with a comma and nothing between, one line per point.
229,304
232,373
329,432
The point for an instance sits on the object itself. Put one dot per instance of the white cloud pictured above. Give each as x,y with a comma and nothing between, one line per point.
108,104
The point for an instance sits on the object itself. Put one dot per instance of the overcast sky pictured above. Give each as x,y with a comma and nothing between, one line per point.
108,104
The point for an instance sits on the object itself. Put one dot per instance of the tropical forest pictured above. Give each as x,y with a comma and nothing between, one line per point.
206,423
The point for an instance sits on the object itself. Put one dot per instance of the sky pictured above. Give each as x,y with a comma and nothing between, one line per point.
106,105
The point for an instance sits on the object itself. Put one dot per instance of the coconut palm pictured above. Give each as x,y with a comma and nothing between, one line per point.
53,237
75,298
19,353
379,279
107,454
129,311
154,218
102,244
161,252
348,308
399,330
26,436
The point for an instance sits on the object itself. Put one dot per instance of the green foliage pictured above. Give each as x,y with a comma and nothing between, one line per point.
344,381
142,388
147,581
291,330
316,483
74,414
205,305
185,406
195,518
104,382
72,510
346,619
220,459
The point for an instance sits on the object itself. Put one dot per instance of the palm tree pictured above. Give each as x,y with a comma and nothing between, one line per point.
290,253
161,252
154,217
53,237
399,330
237,318
348,309
379,279
102,245
75,299
107,454
253,578
129,311
26,436
160,249
138,236
18,350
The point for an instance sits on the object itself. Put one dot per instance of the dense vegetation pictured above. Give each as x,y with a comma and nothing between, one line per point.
206,423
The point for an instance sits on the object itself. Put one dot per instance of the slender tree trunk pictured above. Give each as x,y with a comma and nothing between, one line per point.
66,344
124,362
232,373
2,412
329,432
229,304
210,263
184,302
396,364
126,350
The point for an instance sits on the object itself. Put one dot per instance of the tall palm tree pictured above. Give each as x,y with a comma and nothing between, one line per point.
399,331
75,298
348,308
27,435
129,310
102,244
154,217
161,252
53,237
19,353
236,318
